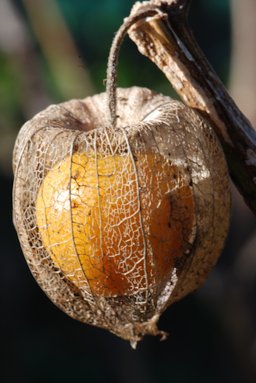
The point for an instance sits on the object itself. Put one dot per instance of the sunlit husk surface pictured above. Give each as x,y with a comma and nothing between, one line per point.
153,212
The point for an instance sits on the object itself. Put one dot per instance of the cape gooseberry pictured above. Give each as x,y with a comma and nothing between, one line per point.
120,212
118,224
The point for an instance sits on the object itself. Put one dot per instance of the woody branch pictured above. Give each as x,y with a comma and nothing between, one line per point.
167,40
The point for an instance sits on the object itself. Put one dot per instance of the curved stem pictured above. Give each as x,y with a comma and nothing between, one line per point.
114,55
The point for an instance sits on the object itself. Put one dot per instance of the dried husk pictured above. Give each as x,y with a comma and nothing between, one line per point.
147,122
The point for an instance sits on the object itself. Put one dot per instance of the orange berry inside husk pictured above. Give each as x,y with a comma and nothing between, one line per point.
115,225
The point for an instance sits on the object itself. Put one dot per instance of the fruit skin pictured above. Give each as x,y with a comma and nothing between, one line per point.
106,233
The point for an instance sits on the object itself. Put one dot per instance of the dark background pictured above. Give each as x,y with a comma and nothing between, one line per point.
51,51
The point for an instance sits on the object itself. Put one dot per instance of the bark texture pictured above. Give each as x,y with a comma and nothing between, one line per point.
167,40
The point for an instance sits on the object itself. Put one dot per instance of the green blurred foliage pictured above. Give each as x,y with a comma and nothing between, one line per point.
10,91
93,26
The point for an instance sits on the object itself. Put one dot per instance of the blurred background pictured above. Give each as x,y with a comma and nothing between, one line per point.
54,50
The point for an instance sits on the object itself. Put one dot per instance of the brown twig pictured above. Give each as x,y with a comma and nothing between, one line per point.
168,41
